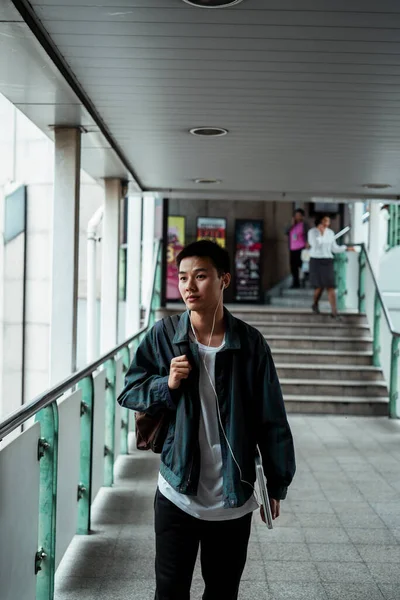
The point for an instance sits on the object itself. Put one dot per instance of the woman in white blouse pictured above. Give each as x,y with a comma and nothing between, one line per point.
322,275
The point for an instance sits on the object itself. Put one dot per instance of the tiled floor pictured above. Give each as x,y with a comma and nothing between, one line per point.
338,537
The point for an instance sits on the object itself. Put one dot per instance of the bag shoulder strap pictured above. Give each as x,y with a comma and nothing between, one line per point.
170,325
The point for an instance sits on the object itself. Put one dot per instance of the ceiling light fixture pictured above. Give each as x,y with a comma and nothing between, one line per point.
212,3
208,131
376,186
207,181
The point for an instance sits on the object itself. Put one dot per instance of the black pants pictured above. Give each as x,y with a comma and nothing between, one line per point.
295,266
223,553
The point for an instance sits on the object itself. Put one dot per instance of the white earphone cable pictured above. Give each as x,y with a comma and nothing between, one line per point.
216,396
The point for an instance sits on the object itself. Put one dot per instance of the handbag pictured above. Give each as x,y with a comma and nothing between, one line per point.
152,430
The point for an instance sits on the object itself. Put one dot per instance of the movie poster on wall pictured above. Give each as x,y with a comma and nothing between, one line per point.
176,242
248,248
214,229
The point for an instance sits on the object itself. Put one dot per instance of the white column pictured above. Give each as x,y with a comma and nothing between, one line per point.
148,247
374,243
65,253
91,277
357,228
134,256
109,266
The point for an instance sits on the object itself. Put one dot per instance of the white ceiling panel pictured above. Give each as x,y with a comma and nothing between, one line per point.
308,89
31,81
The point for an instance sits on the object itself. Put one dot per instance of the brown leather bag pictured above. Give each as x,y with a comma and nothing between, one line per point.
152,430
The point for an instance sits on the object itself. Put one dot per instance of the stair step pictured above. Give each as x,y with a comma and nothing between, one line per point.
322,357
273,315
311,329
296,302
337,406
326,372
298,292
318,342
342,389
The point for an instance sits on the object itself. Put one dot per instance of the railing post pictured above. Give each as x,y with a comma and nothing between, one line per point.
109,449
377,331
394,409
361,281
48,456
85,479
341,284
126,361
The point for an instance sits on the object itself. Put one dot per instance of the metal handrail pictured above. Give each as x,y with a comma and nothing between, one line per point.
25,412
381,300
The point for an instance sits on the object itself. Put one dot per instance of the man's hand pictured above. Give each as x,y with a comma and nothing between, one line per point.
275,509
180,369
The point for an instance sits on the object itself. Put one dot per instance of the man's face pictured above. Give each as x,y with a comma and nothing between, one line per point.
298,217
199,284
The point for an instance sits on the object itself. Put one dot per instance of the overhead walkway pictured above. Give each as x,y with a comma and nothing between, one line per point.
70,472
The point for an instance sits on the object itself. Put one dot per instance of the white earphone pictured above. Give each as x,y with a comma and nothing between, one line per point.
224,285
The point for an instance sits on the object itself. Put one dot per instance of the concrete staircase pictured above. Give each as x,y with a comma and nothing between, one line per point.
324,366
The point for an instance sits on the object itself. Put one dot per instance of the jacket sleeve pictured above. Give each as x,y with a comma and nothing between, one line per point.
274,436
145,389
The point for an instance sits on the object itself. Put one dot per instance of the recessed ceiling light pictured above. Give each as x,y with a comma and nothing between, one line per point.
212,3
376,186
207,181
208,131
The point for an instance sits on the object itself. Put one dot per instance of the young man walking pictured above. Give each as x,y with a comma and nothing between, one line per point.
215,378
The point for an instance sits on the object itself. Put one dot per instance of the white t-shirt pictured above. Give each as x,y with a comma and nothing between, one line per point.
323,246
208,504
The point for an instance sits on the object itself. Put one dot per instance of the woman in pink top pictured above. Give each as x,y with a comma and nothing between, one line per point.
297,233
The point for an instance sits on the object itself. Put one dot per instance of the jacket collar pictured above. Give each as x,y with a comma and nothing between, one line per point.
232,338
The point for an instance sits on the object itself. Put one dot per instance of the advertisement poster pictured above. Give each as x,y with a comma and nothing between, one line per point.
248,248
212,229
176,242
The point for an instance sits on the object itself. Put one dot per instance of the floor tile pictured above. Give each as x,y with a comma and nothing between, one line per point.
390,591
127,589
340,572
384,572
334,552
359,591
326,535
371,536
307,520
291,572
254,571
297,591
285,552
380,553
362,519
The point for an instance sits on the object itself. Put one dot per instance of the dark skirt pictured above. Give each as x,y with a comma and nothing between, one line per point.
322,273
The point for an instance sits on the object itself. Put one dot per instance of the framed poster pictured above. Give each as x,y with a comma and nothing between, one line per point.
214,229
248,268
176,242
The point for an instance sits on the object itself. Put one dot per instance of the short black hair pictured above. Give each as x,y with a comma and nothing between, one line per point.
300,210
207,249
320,218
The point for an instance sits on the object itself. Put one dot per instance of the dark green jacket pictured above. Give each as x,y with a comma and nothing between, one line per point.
250,400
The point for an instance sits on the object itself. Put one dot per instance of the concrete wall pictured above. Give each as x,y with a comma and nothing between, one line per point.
276,216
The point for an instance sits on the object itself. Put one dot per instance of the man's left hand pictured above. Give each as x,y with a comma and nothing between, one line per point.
275,509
